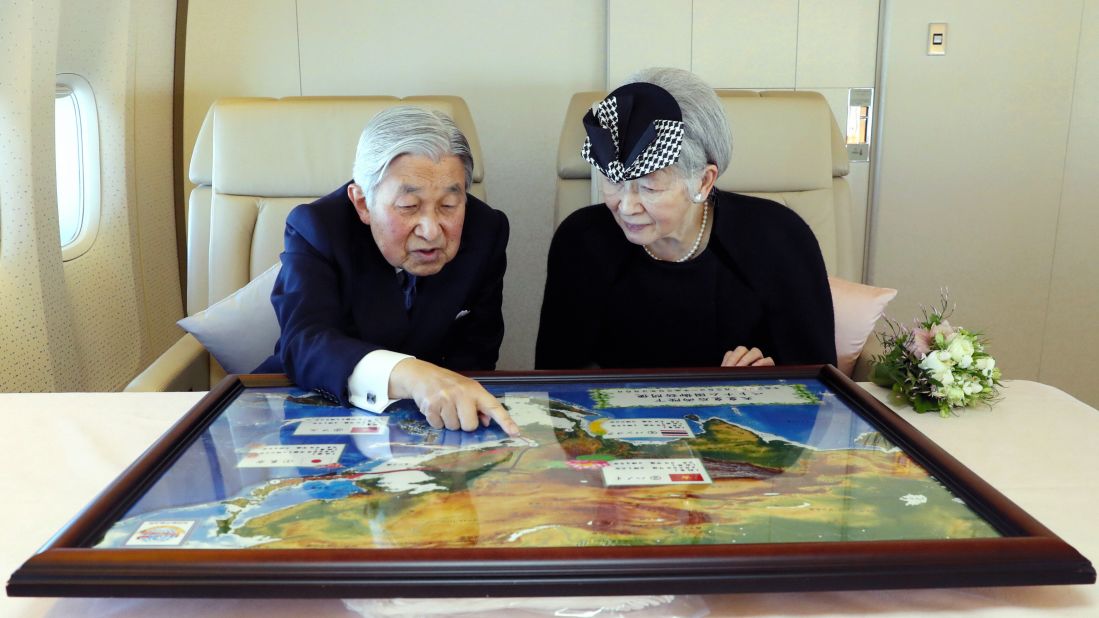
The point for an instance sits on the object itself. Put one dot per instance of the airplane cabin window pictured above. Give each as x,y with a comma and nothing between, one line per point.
76,135
67,137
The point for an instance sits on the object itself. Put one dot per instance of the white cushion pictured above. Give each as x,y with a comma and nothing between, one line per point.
858,308
240,331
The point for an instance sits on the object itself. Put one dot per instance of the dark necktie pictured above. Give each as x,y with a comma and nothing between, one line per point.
408,288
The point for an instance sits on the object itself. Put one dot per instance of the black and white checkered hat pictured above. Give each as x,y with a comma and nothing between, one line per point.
636,130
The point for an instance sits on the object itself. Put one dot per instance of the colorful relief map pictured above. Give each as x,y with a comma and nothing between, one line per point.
639,463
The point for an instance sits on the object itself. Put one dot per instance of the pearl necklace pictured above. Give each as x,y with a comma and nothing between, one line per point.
694,247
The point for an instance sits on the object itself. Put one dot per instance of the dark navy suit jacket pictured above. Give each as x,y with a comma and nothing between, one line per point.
337,299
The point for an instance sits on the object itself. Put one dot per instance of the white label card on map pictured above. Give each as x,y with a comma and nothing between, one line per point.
341,426
688,396
621,428
160,533
292,455
655,472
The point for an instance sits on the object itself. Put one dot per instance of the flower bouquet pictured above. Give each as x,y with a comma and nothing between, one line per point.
935,366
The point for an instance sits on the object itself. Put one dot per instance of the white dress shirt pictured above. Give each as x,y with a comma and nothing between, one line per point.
368,384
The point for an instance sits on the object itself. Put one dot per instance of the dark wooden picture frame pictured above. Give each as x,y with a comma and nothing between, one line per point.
1026,554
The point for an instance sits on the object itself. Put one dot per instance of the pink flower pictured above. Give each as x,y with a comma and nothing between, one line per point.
943,328
918,342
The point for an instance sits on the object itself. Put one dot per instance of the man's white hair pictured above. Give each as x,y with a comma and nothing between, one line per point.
407,129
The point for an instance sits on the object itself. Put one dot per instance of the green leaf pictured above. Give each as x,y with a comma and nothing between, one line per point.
882,375
924,405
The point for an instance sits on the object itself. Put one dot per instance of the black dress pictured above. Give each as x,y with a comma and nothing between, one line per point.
760,282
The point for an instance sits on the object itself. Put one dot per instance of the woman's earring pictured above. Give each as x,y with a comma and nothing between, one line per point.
698,197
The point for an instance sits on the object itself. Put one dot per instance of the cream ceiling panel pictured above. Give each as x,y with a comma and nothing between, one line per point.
647,33
745,43
836,43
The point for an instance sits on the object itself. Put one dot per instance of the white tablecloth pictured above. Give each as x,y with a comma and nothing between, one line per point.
1039,446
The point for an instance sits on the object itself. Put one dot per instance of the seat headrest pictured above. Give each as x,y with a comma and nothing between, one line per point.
789,137
570,165
201,170
298,146
840,166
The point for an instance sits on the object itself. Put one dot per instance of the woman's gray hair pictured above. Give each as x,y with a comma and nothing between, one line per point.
706,134
406,129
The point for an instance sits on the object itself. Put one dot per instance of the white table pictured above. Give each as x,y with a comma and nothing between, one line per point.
1039,446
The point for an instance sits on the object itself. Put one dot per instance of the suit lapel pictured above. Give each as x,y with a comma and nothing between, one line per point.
438,300
378,306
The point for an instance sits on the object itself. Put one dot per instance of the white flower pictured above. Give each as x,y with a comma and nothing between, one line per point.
935,363
971,387
986,365
960,348
955,395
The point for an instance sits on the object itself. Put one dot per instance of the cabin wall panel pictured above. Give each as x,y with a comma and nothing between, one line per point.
153,195
36,352
1072,322
124,303
970,164
102,288
85,324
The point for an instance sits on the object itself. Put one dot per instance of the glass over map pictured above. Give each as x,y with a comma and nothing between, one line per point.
707,461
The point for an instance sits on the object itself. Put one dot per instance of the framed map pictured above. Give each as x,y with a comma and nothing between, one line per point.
621,483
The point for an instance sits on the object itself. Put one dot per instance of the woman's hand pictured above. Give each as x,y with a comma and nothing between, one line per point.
743,357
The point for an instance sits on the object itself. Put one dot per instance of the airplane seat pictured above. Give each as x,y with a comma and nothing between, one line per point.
254,160
787,147
574,180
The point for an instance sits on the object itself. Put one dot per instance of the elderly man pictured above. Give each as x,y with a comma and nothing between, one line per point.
396,278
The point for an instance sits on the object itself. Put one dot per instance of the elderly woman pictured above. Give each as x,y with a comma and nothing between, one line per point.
670,271
394,280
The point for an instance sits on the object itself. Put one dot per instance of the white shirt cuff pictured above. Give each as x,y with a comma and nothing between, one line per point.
369,382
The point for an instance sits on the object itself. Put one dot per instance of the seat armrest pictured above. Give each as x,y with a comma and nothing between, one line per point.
183,367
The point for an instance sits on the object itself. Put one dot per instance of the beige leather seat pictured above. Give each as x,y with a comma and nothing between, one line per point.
255,159
786,147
